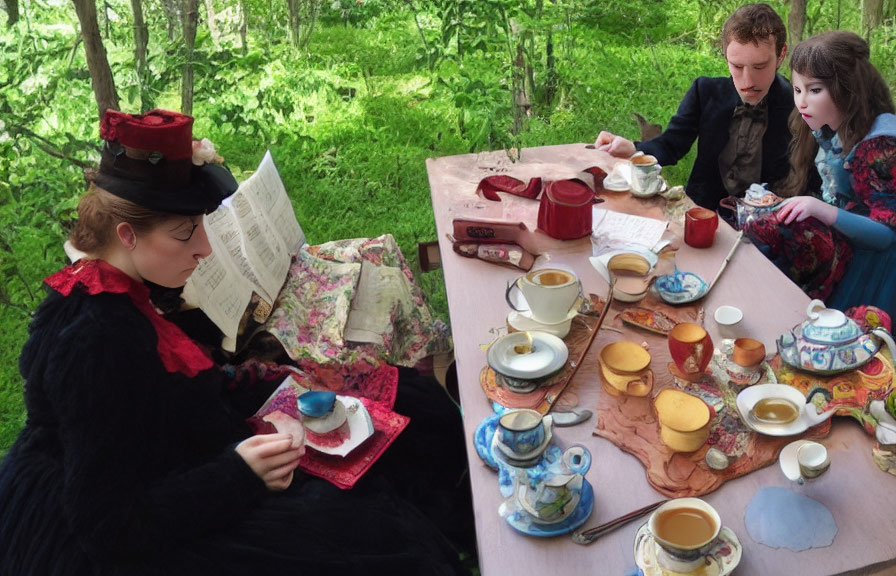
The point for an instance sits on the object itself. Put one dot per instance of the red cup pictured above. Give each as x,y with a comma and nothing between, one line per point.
691,349
700,227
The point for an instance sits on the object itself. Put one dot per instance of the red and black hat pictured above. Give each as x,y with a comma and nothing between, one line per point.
148,159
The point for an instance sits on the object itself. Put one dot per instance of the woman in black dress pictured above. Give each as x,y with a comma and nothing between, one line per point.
136,457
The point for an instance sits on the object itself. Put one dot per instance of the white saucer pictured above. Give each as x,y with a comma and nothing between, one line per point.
360,428
328,422
549,355
722,559
790,466
616,185
749,396
523,322
658,190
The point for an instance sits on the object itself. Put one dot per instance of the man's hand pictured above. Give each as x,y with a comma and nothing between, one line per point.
801,207
615,145
272,458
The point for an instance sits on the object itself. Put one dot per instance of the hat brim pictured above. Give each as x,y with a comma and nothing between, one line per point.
208,186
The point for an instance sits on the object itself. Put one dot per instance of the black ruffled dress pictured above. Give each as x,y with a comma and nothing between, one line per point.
126,463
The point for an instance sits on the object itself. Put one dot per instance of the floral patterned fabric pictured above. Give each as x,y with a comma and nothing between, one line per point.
310,315
817,257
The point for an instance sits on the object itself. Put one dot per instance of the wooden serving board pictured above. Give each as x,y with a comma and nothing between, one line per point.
631,424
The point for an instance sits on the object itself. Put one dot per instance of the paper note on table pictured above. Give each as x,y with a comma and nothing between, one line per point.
615,231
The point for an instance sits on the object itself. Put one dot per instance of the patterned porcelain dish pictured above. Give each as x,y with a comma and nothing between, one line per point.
722,559
829,342
680,287
525,358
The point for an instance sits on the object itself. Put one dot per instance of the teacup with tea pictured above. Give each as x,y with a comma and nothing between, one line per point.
645,175
685,530
550,293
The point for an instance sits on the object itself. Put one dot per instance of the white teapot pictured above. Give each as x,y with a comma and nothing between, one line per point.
830,342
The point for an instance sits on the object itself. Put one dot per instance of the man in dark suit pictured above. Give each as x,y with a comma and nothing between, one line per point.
739,122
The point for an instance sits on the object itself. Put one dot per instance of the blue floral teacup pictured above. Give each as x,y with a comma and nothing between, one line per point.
522,432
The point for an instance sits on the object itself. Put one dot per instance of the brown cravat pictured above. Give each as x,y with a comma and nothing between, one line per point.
740,162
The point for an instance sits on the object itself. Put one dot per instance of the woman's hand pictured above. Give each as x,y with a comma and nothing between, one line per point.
801,207
272,458
615,145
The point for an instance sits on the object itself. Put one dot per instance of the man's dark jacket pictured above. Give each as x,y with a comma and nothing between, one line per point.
705,114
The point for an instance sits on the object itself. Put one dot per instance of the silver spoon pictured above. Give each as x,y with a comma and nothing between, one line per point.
571,418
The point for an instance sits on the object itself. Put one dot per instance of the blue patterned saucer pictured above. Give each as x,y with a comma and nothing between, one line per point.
521,521
483,437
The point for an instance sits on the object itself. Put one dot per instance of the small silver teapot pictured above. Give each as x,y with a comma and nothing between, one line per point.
830,342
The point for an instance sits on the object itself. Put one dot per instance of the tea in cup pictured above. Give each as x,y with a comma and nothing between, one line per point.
684,529
813,460
521,433
773,410
645,174
700,227
550,293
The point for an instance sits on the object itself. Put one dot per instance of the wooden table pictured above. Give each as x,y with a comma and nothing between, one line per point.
861,498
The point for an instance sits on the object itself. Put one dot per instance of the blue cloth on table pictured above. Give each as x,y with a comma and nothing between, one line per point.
781,518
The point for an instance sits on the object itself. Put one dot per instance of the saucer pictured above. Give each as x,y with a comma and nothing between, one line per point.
740,375
680,288
521,521
519,386
360,428
790,466
616,181
722,559
327,422
549,355
749,396
502,452
658,190
483,437
523,322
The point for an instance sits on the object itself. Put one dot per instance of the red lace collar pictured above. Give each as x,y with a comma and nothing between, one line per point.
178,352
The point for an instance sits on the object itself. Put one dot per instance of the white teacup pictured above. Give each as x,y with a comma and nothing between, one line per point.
550,293
813,460
685,530
645,174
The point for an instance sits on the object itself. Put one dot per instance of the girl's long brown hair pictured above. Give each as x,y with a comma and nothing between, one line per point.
840,60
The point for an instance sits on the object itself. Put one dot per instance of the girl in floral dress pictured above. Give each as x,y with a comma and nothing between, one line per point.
840,247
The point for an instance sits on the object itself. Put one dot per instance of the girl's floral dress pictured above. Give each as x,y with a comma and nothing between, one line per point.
818,258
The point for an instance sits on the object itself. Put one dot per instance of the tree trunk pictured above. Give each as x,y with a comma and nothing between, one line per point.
141,41
212,25
872,12
172,17
796,22
190,19
100,74
294,21
302,17
244,27
12,12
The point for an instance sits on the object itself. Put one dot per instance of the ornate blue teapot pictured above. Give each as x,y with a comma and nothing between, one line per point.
830,342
